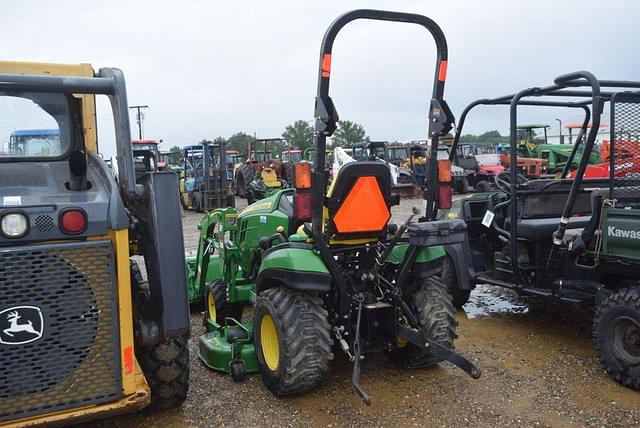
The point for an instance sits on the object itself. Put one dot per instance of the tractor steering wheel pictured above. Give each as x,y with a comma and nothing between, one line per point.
503,181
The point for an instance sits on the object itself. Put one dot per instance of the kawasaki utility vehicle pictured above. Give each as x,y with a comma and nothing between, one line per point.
574,240
325,267
83,334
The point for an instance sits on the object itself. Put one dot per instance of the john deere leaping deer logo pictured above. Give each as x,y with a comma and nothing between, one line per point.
20,325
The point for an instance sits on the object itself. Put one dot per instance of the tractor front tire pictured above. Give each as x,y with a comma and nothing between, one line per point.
166,368
616,333
293,341
217,308
432,305
449,277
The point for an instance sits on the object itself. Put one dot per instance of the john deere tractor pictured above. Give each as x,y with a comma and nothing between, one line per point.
83,333
325,267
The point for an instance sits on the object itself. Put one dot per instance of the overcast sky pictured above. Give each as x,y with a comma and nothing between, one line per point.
209,68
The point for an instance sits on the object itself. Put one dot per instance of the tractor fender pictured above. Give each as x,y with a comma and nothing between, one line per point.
428,260
295,265
460,254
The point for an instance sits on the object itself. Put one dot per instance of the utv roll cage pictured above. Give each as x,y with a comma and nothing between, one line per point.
585,92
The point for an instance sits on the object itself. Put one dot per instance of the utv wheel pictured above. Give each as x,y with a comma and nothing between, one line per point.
216,306
166,368
483,186
432,305
464,187
616,333
458,297
293,341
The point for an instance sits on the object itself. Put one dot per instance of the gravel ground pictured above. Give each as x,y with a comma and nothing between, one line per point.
539,369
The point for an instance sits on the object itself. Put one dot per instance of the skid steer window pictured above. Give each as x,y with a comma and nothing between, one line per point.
34,126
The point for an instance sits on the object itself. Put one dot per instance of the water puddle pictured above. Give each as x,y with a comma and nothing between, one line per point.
487,300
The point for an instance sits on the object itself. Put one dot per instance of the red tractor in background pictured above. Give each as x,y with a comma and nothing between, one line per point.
258,156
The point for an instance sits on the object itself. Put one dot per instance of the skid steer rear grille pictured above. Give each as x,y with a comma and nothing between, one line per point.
59,337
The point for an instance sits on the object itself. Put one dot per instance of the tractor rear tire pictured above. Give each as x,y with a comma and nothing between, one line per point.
166,369
245,176
449,277
616,333
217,308
293,340
432,305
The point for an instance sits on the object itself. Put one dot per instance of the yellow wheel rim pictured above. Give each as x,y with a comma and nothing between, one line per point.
269,343
211,306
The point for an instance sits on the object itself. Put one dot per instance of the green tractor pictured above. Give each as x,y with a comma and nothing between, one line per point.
324,267
556,155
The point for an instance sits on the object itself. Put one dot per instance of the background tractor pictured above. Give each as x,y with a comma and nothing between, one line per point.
323,266
206,181
102,339
260,155
574,240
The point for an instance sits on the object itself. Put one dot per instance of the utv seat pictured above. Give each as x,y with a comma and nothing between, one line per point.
541,229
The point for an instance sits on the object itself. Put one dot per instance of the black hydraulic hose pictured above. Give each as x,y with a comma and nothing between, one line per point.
580,137
596,109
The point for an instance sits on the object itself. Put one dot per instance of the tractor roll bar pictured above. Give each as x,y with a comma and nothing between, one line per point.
326,116
108,81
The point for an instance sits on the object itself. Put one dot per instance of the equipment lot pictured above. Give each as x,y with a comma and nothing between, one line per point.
538,367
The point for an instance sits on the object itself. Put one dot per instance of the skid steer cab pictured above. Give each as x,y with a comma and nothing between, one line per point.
82,333
325,267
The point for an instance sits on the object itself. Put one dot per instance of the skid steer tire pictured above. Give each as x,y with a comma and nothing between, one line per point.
165,365
216,306
616,334
432,305
293,341
166,368
458,297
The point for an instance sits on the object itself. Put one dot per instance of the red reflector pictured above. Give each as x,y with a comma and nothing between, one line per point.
326,65
302,205
73,221
444,196
127,357
442,71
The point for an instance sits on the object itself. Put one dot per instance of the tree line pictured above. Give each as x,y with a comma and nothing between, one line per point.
299,135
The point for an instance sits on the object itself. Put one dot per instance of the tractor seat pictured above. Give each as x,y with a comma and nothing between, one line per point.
270,179
541,229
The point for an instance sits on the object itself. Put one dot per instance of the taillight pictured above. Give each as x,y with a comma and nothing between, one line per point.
444,184
73,221
302,206
302,210
444,196
14,225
